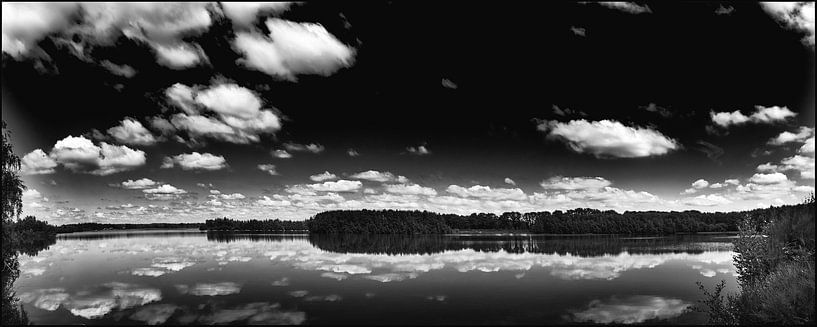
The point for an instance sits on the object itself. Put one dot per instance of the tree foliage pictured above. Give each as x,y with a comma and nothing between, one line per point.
775,263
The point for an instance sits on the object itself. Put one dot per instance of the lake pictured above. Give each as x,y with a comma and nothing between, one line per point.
190,277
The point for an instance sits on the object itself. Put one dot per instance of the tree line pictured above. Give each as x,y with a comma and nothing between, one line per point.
576,221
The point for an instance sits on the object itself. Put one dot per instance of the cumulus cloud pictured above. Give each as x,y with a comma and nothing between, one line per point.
325,176
164,192
609,138
246,13
409,189
180,56
808,147
161,26
37,163
486,192
697,185
509,181
420,150
628,7
138,184
195,160
574,183
796,15
803,164
293,49
773,178
130,131
707,200
268,168
79,154
377,176
762,115
336,186
24,24
312,147
786,137
225,112
281,154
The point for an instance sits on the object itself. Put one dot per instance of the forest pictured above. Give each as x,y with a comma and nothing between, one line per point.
576,221
272,225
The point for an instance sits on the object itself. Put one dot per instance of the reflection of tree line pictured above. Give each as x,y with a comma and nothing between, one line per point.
429,244
23,236
135,234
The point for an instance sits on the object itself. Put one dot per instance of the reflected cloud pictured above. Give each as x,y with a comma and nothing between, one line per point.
634,309
258,313
149,272
300,293
95,303
154,314
210,289
334,276
438,298
281,282
325,298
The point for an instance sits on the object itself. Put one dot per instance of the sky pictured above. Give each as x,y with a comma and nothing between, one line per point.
181,112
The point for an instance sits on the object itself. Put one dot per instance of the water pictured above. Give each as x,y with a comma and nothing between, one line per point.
188,277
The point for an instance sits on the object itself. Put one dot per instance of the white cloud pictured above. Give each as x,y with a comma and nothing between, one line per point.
233,196
420,150
377,176
707,200
281,154
82,155
716,185
230,100
609,138
269,168
246,13
732,181
628,7
762,114
325,176
130,131
138,184
225,112
786,137
699,184
574,183
293,49
728,118
808,147
337,186
312,147
797,15
767,167
164,189
509,181
37,163
267,201
195,160
486,192
409,189
25,24
803,164
179,56
763,179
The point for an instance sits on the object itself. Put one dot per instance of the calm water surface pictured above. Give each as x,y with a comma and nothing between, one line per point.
188,277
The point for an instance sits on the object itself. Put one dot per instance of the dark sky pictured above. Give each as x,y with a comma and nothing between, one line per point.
656,106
